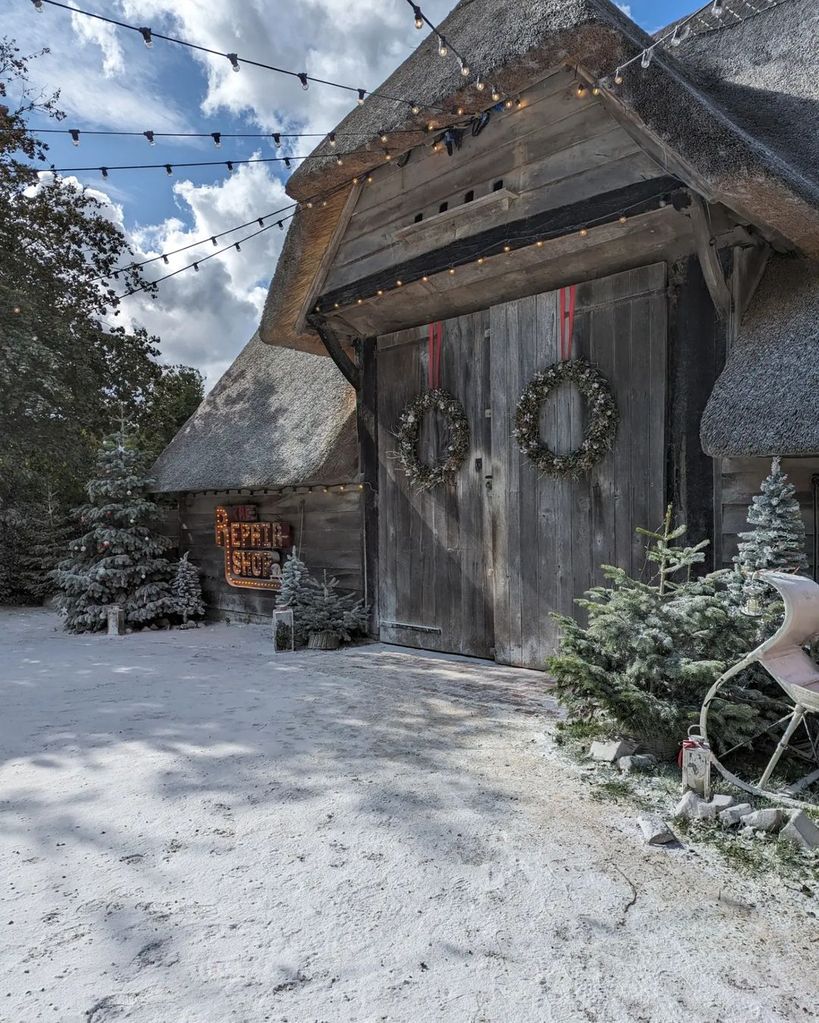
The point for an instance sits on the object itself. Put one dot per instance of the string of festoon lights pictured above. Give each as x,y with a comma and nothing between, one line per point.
217,137
677,35
479,256
236,61
444,45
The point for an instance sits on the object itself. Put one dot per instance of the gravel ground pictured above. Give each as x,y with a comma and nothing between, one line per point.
195,830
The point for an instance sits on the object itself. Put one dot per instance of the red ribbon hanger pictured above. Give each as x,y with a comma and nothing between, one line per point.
434,343
567,301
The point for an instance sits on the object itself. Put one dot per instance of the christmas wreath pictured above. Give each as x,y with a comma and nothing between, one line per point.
601,428
409,427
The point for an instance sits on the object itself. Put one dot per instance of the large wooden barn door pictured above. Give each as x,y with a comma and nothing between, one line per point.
552,535
434,547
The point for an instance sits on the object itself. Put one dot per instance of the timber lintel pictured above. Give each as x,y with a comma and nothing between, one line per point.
329,339
709,258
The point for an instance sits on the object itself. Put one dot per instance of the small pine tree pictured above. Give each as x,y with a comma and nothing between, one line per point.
650,650
776,542
187,591
327,610
318,607
9,557
118,559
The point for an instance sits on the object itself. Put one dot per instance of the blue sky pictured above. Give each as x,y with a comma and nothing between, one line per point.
109,79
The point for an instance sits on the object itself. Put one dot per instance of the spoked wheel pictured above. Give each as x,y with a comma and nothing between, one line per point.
778,756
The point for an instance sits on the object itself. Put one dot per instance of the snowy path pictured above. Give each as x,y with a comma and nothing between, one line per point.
194,831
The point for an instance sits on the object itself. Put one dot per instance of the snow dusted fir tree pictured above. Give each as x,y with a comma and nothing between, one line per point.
118,559
187,592
776,542
321,614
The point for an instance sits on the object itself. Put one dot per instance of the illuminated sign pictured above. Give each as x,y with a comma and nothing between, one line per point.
253,549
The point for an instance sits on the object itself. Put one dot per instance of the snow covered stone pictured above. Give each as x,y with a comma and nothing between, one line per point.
609,752
735,814
637,762
722,801
764,820
801,830
687,806
655,830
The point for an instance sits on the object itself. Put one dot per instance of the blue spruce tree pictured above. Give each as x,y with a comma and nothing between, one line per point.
118,559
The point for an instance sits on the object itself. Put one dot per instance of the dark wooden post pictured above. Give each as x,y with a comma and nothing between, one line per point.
367,409
696,355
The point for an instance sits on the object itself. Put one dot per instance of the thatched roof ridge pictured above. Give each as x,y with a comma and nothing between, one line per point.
700,101
766,401
276,418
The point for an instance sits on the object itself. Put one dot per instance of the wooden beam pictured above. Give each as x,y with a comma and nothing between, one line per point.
749,266
709,258
606,208
367,420
348,368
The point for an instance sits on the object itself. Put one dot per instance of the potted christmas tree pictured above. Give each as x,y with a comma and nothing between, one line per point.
187,593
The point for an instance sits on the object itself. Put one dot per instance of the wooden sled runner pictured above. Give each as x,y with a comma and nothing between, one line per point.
784,658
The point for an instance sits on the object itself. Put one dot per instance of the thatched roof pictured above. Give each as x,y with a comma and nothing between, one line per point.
276,418
737,106
766,401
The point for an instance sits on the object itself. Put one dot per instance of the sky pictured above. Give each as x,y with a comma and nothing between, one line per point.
108,79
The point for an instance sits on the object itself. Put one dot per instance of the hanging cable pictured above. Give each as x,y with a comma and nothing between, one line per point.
444,45
152,136
236,62
198,262
170,167
685,29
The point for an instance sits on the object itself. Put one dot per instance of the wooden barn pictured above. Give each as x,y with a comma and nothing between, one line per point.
267,461
571,263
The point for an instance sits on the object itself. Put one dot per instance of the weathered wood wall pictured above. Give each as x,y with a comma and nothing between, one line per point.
477,569
434,550
556,149
741,479
326,525
552,535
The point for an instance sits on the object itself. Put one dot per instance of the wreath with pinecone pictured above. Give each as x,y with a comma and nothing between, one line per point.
409,428
601,428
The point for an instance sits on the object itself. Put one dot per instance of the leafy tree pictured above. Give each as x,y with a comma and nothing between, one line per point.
68,372
118,559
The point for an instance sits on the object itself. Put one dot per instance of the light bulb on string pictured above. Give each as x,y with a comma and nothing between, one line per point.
647,56
38,7
168,169
234,60
75,136
495,93
217,138
383,136
618,76
238,247
104,171
362,95
229,165
414,107
260,221
331,138
419,17
287,161
196,267
147,37
280,225
464,68
580,90
302,77
717,7
149,135
680,35
442,47
339,161
166,261
479,85
277,139
215,243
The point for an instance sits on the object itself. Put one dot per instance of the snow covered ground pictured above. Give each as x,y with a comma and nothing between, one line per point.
195,830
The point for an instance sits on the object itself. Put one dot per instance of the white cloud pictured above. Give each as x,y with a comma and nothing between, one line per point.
204,318
88,30
625,8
